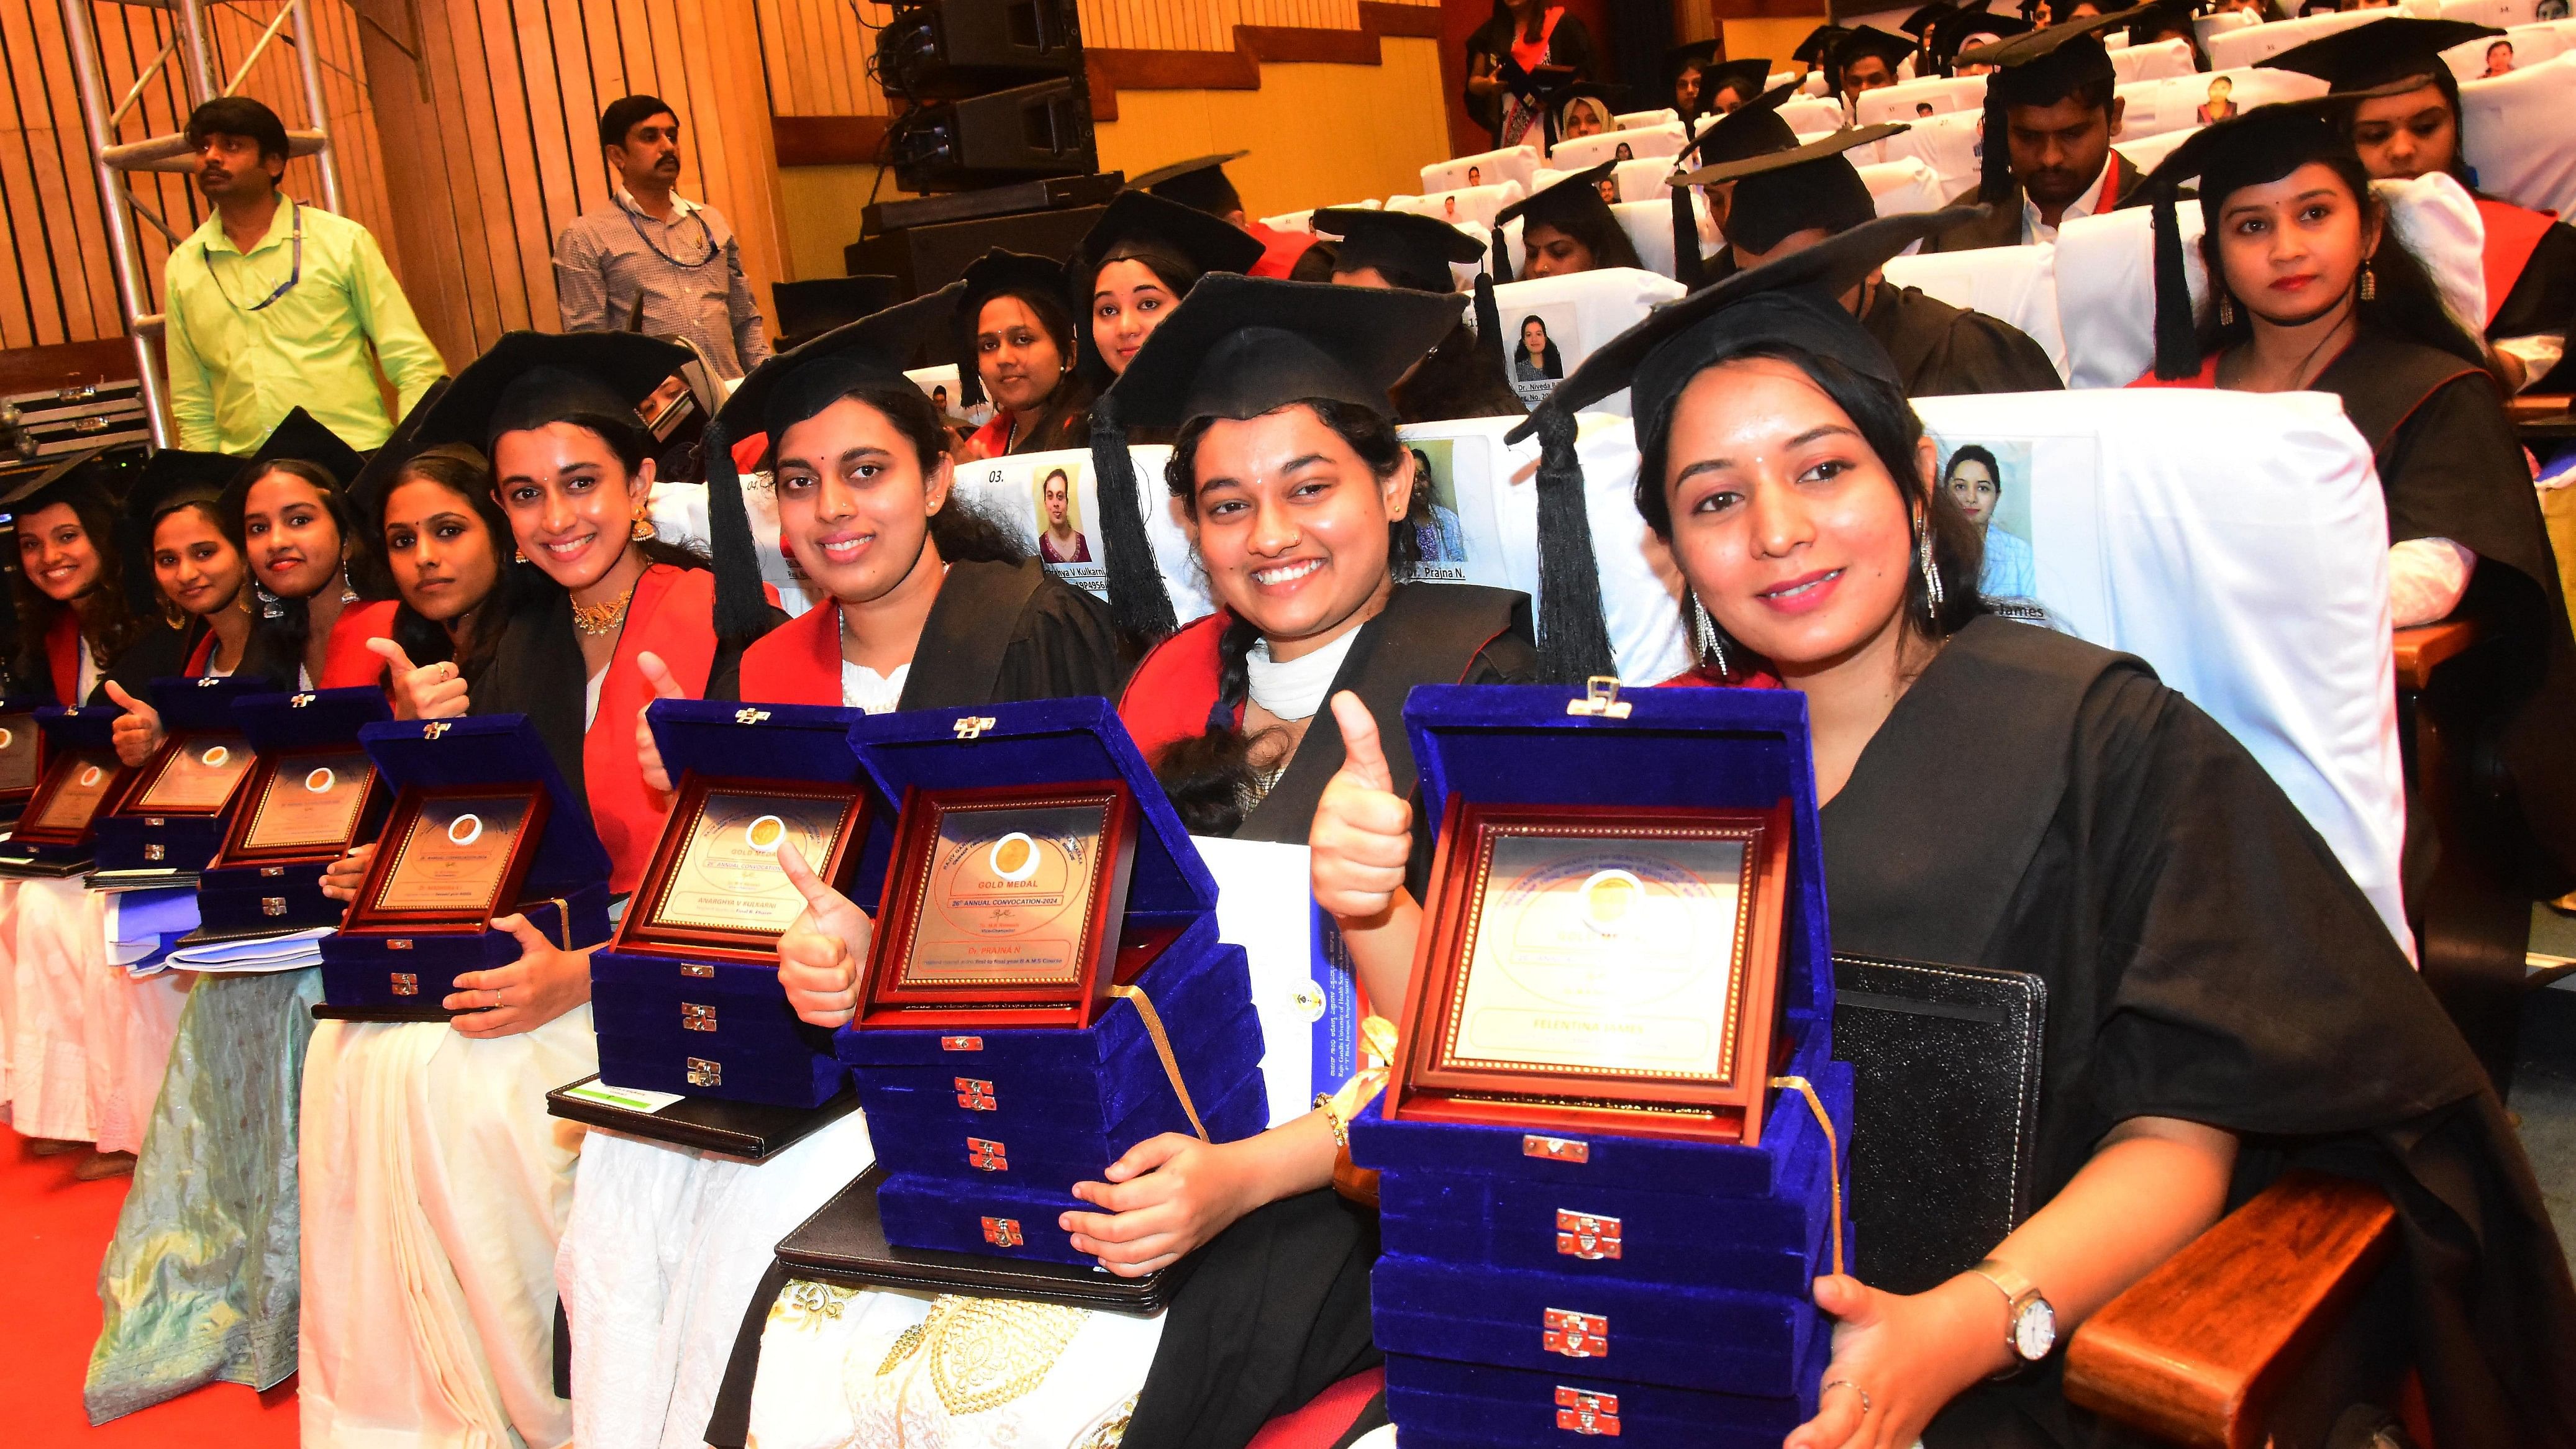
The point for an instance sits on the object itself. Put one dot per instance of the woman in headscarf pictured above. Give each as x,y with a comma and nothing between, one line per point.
1015,345
2212,975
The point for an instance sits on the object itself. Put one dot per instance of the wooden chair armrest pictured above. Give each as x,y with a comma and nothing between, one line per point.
2532,407
2197,1351
2422,649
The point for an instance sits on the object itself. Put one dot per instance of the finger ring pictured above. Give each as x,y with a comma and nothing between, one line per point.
1865,1405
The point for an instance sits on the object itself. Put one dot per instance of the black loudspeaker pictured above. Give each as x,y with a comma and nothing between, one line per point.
928,258
808,309
1023,134
951,48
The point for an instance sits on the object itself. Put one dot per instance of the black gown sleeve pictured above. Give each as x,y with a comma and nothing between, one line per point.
1065,647
2543,298
2454,470
1947,351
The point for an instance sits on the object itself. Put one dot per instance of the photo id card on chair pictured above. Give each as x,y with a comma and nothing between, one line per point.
1003,907
715,888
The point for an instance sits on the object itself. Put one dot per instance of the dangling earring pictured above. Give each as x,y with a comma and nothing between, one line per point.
348,586
1707,648
1931,574
2369,284
2226,309
270,605
170,611
642,530
518,555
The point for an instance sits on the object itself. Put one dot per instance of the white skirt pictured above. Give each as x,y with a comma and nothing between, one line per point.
435,1189
660,1260
86,1044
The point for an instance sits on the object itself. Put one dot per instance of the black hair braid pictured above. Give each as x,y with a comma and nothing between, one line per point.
1209,776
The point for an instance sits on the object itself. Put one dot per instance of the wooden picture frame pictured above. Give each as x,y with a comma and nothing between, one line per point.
380,907
66,770
1515,1015
22,757
658,925
919,973
288,770
224,753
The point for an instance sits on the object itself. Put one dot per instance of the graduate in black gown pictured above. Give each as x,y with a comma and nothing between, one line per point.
1464,376
1565,228
2051,116
1792,197
2344,308
67,595
2222,1001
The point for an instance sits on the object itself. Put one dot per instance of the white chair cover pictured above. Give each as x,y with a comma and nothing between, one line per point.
1583,311
1897,102
2232,49
1642,120
1476,204
2219,24
2013,284
2519,138
1645,179
2148,152
1779,78
2532,44
2238,543
1588,151
1513,163
1814,84
1649,225
2153,62
1811,113
1900,188
1298,221
2438,221
1947,143
2504,13
2174,104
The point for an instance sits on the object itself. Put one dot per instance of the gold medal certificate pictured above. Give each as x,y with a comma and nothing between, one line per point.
1607,953
312,801
200,775
1008,900
728,878
83,790
455,856
17,752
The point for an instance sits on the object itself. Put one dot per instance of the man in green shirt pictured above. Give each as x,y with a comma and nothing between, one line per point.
273,305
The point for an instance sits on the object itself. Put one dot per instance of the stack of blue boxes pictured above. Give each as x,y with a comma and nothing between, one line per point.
1538,1288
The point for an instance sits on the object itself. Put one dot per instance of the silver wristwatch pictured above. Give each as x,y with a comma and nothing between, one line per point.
2032,1330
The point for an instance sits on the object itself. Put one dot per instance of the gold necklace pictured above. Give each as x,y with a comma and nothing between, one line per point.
984,1353
595,619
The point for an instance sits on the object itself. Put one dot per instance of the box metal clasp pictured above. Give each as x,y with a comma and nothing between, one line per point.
973,726
1556,1149
704,1073
406,983
272,872
435,728
1582,1411
1575,1335
975,1095
961,1043
986,1155
1003,1232
155,822
155,852
272,905
1588,1236
698,969
299,701
749,716
694,1017
398,943
1600,699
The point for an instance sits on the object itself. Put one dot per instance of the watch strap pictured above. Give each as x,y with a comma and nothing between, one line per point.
2009,1280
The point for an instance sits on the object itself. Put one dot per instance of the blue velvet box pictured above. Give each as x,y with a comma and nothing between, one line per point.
404,975
707,1025
85,733
290,732
195,714
1062,1099
1692,1259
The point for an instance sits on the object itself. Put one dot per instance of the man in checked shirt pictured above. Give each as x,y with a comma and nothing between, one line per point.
651,248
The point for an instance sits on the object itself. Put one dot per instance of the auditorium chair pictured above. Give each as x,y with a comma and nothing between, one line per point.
2518,137
1512,163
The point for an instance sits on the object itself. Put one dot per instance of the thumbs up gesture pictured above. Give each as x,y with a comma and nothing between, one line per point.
137,732
426,691
818,958
648,751
1363,831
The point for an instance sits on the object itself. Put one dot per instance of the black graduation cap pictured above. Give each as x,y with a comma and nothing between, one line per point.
2378,52
299,438
1819,44
808,309
1151,229
1868,40
1199,183
1556,204
169,480
1701,53
2037,68
367,488
1796,300
998,273
1780,192
1963,28
2255,148
1749,130
1406,249
79,478
778,394
530,379
1920,23
1747,77
2151,21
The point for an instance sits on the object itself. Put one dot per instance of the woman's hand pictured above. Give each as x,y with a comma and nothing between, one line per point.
1168,1195
1898,1359
137,732
342,877
648,750
1362,836
819,956
427,691
544,983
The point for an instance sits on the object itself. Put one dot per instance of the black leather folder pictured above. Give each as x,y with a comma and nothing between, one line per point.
748,1130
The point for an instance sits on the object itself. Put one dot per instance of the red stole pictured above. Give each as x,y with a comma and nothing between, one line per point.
995,436
2206,379
2513,234
202,655
1531,54
62,657
1279,249
347,662
1174,687
673,615
799,662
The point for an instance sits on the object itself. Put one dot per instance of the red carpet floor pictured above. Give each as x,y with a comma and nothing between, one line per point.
53,1230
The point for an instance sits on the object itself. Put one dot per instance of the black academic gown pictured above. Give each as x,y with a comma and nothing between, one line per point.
1943,351
2452,468
1457,379
2543,299
1277,1307
159,652
2001,225
2206,959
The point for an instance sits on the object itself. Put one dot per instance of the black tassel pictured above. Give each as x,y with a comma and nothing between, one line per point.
2177,340
742,609
970,382
1138,602
1489,325
1501,270
1995,183
1687,267
1573,642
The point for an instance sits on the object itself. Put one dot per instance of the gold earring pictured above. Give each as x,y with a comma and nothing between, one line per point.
518,555
2226,311
170,611
2369,284
643,528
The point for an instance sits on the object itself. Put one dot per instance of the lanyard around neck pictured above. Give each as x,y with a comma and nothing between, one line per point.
295,274
635,219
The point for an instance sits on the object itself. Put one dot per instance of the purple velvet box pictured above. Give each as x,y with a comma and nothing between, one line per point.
202,710
87,731
1441,1402
236,900
739,1040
